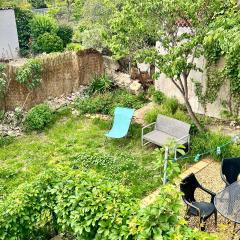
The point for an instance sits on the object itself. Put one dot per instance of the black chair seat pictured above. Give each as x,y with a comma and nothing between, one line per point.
194,208
206,209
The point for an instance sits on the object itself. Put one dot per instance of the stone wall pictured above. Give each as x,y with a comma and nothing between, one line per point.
63,74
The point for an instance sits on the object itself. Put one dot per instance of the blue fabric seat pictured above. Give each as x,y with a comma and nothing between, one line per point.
121,122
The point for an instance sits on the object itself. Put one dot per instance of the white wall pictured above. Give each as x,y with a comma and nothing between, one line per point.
168,88
8,35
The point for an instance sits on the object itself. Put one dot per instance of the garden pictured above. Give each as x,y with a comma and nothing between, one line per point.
63,177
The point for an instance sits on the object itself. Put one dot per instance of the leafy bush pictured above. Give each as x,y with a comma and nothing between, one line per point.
41,24
38,117
84,205
203,142
158,97
107,102
74,47
97,104
4,141
24,216
171,104
23,19
65,32
98,208
38,3
100,84
30,74
47,43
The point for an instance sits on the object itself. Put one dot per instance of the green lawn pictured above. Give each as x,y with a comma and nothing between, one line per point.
79,142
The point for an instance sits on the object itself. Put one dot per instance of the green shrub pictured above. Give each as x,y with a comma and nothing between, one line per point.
171,104
28,212
158,97
65,32
38,117
106,103
47,43
123,98
100,84
203,142
38,3
98,209
4,141
100,103
84,205
74,47
30,74
41,24
23,19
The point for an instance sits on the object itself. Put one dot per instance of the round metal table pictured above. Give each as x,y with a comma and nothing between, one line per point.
227,203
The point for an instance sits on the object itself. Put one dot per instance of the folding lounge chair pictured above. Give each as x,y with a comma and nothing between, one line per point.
121,122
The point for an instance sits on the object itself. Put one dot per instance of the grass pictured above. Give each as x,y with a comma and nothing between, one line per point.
78,142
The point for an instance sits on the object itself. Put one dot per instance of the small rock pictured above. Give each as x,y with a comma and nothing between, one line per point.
135,87
75,113
233,123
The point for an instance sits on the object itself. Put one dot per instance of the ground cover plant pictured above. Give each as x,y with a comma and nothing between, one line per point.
105,103
78,142
98,209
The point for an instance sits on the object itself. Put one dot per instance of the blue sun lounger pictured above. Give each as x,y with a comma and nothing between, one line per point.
121,122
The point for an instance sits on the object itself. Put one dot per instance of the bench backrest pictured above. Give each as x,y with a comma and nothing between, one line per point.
172,126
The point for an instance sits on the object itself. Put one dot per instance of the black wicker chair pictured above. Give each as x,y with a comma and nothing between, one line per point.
202,209
230,170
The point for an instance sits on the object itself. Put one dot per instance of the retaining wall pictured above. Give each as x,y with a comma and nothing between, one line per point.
62,74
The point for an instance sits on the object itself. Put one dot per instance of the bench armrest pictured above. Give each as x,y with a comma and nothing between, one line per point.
147,126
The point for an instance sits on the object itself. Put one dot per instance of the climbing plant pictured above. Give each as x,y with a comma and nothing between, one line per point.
223,40
3,85
30,74
3,80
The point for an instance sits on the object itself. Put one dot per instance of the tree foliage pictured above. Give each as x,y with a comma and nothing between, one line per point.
23,19
222,40
136,23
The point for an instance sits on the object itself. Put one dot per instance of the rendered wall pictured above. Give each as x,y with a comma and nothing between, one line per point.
8,35
167,87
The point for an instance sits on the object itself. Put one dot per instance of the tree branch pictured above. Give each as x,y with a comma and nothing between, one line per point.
178,87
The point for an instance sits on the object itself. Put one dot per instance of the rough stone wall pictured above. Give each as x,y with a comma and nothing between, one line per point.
62,74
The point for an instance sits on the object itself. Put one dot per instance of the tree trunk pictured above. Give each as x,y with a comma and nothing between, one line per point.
193,115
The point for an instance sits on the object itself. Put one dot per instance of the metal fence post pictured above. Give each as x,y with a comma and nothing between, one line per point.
165,166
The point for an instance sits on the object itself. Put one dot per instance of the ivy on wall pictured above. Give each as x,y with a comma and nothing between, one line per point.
30,74
223,40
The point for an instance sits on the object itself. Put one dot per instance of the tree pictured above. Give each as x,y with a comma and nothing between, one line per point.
136,21
93,16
